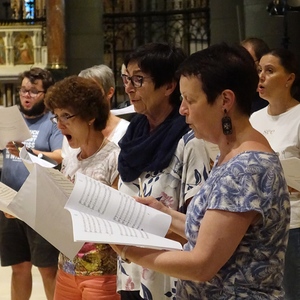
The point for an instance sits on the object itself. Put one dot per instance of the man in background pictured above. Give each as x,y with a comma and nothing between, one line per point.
257,48
20,246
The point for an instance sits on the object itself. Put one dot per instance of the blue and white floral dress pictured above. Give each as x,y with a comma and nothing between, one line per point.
251,181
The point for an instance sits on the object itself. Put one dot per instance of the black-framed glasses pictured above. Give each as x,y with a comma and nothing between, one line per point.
62,119
31,93
136,80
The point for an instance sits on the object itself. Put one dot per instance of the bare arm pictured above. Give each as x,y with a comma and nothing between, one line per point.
14,149
115,183
219,236
55,155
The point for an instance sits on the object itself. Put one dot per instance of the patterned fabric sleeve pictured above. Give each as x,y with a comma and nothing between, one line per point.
250,181
195,167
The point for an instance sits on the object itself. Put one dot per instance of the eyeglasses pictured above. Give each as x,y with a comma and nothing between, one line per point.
136,80
62,119
31,93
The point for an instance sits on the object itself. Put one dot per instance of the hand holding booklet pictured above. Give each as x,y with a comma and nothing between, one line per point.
29,158
103,214
68,215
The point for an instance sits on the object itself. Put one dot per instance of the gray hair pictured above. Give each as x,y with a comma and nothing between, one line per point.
102,74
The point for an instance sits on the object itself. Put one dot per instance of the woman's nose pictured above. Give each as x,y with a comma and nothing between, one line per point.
129,88
60,125
261,76
183,109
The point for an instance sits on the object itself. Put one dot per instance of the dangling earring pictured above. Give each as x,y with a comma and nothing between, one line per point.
226,124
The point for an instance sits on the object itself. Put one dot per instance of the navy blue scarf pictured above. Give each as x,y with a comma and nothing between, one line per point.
142,150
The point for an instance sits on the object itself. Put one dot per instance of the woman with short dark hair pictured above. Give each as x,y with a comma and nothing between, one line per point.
236,226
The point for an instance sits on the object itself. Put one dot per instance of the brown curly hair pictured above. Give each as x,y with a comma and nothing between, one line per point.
35,74
83,97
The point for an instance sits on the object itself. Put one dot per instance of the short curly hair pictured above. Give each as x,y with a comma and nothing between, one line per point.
82,96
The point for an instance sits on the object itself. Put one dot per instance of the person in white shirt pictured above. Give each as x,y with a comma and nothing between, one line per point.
279,122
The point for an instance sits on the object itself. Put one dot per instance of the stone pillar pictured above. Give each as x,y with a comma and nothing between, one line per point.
225,18
56,37
258,23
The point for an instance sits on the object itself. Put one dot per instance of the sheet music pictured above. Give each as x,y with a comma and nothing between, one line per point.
6,196
68,215
40,204
12,126
104,215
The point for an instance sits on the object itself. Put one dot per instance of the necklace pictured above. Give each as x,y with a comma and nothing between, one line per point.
79,156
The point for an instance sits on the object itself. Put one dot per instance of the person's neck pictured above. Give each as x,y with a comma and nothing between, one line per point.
281,106
231,145
111,124
94,145
33,117
158,116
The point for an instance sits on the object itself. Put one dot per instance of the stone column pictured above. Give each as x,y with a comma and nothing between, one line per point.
56,37
258,23
224,23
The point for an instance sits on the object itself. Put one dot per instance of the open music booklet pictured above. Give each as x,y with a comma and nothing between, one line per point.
68,215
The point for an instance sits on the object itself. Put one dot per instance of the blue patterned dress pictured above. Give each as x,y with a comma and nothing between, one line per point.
250,181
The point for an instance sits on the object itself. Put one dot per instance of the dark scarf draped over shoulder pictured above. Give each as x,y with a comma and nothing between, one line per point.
142,150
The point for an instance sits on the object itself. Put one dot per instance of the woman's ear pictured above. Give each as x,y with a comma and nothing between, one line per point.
228,99
170,87
110,93
290,80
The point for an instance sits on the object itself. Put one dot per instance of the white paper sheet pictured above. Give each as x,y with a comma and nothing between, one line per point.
291,168
123,111
40,203
6,196
30,159
12,126
103,214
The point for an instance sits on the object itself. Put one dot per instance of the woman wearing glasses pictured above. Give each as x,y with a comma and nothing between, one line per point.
115,126
158,149
237,224
81,112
